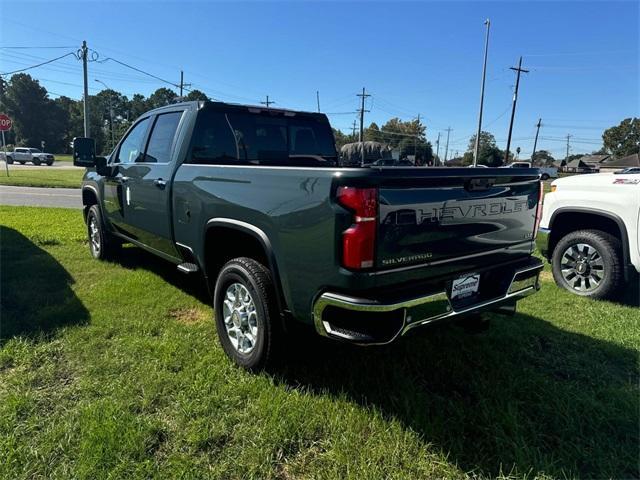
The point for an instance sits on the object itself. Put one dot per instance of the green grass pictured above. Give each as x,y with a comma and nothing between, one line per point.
113,370
63,157
41,177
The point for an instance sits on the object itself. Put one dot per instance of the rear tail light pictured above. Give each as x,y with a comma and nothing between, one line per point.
538,210
358,241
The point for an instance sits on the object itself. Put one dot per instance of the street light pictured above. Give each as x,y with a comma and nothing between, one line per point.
113,141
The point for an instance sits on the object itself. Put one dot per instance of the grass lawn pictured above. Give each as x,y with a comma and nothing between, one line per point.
41,177
63,157
114,370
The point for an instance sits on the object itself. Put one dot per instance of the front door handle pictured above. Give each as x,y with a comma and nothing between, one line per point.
160,183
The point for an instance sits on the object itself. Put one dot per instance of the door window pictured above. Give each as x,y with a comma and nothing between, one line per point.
132,146
161,138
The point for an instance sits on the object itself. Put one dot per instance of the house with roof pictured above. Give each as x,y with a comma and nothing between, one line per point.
577,165
615,164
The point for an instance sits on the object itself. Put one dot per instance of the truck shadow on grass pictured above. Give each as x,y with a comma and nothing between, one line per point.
524,397
37,298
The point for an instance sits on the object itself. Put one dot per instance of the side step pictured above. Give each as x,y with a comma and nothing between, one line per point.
188,267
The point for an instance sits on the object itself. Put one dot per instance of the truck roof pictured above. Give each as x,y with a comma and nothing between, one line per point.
199,105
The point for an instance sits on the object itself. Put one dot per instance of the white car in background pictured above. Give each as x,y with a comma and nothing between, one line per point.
545,172
590,232
23,155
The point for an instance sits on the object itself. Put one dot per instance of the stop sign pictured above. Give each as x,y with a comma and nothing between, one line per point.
5,122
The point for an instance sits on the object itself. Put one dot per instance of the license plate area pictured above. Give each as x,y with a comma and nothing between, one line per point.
465,289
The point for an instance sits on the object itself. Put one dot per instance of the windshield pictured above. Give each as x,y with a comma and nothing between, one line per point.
263,138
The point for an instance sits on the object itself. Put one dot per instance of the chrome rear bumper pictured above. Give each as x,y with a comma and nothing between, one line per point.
414,312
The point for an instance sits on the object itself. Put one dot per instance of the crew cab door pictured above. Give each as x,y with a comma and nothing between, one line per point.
149,185
117,185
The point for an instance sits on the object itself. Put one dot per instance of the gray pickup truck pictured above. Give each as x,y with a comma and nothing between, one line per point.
256,200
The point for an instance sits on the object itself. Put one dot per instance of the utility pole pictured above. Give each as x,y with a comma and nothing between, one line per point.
268,102
535,142
85,102
353,131
446,150
181,82
476,147
438,149
518,71
318,99
415,141
363,96
567,157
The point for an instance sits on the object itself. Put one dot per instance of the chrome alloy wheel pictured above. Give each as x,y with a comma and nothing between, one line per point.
94,235
240,318
582,267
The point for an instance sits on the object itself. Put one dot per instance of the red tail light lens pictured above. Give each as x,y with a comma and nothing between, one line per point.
538,211
358,241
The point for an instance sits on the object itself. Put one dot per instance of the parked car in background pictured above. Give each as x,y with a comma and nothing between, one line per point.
627,171
255,199
590,232
545,172
23,155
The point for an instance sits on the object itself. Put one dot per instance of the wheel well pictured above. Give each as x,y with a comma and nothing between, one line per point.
89,198
568,222
224,243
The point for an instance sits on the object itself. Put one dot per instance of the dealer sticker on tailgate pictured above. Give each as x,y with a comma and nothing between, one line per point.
465,286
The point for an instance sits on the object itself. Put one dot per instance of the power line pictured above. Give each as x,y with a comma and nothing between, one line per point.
40,64
267,102
33,48
142,71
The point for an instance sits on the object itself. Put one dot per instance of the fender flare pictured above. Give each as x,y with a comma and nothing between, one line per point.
624,236
263,239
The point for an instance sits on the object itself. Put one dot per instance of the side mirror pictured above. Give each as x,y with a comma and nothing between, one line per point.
84,152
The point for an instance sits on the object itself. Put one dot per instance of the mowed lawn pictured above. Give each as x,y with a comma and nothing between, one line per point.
113,370
41,177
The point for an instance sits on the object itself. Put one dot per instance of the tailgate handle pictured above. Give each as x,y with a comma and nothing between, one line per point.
479,184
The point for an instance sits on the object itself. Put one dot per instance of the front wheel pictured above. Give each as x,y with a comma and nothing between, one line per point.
545,176
102,245
588,263
246,313
36,162
49,163
9,160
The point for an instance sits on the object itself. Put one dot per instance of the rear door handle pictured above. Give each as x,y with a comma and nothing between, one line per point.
160,183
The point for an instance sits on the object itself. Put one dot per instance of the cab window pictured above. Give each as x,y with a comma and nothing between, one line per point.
133,145
161,138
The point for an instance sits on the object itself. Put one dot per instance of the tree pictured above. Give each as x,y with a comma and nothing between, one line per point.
488,152
197,95
623,139
161,97
31,110
137,106
542,158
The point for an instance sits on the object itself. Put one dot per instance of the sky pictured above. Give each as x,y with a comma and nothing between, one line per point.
414,58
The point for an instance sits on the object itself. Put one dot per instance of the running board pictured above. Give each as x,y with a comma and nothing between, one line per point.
188,267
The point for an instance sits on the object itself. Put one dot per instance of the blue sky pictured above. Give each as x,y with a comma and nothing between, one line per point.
413,57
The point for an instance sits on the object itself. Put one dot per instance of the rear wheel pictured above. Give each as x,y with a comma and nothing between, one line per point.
102,244
588,263
246,313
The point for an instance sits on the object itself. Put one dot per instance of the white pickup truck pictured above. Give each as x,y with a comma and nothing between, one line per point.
23,155
590,232
545,172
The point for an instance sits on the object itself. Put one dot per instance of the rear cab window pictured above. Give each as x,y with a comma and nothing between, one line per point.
262,137
160,144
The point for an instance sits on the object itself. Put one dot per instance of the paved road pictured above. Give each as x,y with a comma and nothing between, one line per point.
41,197
29,166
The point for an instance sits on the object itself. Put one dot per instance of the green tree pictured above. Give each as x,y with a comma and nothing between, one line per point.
623,139
543,158
488,152
197,95
161,97
137,106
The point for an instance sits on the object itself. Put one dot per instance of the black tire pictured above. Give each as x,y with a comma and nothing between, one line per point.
36,162
49,162
256,280
103,245
9,160
545,176
601,282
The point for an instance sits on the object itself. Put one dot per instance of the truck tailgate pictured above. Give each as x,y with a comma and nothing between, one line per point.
427,219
